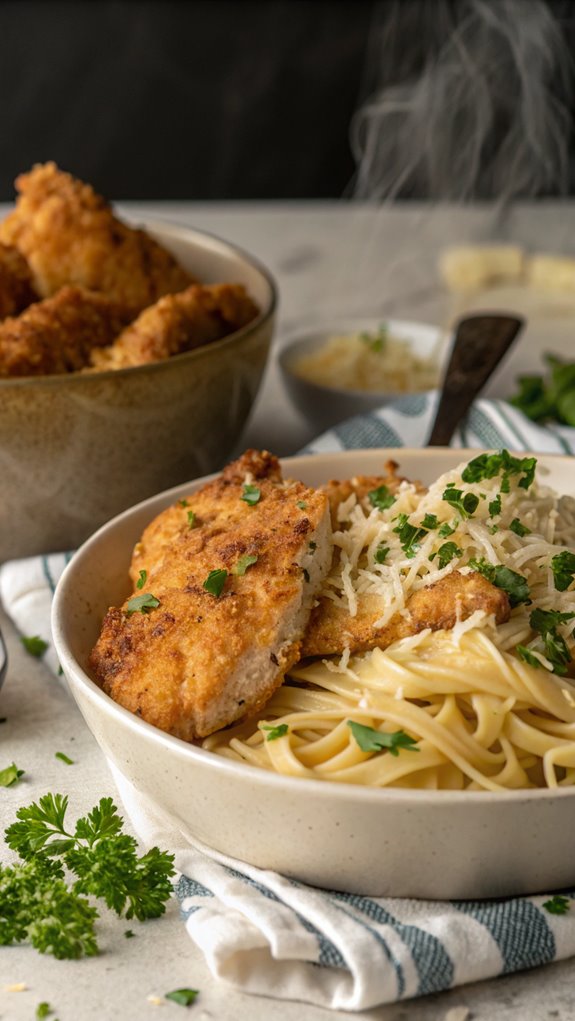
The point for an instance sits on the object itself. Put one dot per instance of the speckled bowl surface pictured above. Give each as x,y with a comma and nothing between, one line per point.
76,449
395,842
324,406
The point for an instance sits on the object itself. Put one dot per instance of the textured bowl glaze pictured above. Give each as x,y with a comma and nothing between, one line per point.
324,406
77,449
431,844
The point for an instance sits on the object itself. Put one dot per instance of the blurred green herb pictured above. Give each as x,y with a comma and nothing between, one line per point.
34,645
550,395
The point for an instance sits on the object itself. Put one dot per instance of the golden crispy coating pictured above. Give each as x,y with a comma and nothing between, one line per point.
361,485
69,235
179,322
199,661
57,335
331,629
16,290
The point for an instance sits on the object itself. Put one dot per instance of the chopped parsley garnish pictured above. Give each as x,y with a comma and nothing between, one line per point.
563,567
555,648
313,546
40,906
371,740
527,656
465,504
183,503
375,341
142,604
129,934
487,466
495,506
446,529
381,498
409,535
34,645
515,585
244,562
215,581
64,758
301,504
518,528
184,997
557,905
446,553
273,732
10,775
381,553
142,579
251,494
191,518
43,1010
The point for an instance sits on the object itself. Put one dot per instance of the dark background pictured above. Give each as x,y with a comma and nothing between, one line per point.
205,99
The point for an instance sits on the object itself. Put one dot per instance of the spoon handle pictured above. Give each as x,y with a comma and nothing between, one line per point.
480,342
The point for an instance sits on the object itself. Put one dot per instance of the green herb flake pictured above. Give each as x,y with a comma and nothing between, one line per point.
191,519
371,740
409,535
563,568
129,934
518,528
184,997
381,498
557,905
381,553
64,758
183,503
301,504
313,546
515,585
555,649
43,1010
447,552
10,775
214,583
446,529
495,506
142,579
466,503
527,656
251,494
487,466
141,604
375,341
34,645
273,732
244,562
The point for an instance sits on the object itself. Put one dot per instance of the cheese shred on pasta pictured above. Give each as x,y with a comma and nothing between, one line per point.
479,707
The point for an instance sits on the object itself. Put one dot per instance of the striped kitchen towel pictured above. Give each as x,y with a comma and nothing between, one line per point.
269,935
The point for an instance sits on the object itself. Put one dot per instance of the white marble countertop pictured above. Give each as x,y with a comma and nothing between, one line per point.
329,259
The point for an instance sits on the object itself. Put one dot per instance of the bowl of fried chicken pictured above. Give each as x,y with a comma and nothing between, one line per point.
356,669
130,358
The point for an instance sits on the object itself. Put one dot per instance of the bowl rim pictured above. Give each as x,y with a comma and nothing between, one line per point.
182,233
239,771
296,341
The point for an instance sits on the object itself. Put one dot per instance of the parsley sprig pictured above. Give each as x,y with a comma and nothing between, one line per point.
381,498
515,585
555,648
38,903
488,466
563,568
371,740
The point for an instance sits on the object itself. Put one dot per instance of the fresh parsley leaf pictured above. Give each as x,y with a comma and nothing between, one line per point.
141,604
381,553
10,775
557,905
447,552
409,535
244,562
563,568
129,934
544,621
274,731
495,506
381,498
371,740
251,494
518,528
375,341
183,502
142,579
504,578
555,648
429,522
34,645
43,1010
527,656
214,583
191,519
64,758
487,466
465,504
184,997
447,529
301,504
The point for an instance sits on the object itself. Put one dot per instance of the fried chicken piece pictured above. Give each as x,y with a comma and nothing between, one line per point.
362,485
69,235
331,629
201,660
16,290
179,322
58,334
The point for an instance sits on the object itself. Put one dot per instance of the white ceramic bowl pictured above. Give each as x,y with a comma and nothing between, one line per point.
442,844
324,406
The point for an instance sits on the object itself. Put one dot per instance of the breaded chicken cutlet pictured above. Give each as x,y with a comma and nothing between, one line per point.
179,322
16,290
229,579
58,334
69,235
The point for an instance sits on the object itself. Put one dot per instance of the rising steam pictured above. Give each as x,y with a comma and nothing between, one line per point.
466,101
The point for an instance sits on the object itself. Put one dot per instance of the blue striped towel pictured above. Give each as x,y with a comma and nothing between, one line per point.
268,935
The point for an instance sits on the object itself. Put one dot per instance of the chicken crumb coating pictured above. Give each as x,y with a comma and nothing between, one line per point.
16,289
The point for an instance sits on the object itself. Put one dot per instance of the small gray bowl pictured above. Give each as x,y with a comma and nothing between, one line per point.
78,448
324,406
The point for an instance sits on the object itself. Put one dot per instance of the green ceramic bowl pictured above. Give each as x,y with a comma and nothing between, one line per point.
77,449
